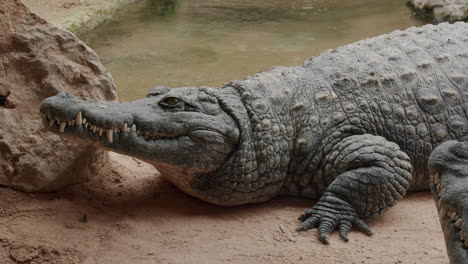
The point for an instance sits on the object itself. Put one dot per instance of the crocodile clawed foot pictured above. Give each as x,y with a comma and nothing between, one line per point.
330,214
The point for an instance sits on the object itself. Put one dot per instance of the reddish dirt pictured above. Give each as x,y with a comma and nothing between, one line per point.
131,215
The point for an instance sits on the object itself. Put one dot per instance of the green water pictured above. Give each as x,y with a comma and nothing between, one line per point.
209,42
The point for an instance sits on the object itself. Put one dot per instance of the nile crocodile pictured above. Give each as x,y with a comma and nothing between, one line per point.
353,127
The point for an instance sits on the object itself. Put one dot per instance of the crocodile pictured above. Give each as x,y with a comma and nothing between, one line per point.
448,167
352,128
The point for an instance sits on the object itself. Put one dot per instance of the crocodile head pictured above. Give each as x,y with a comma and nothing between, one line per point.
184,132
226,146
448,166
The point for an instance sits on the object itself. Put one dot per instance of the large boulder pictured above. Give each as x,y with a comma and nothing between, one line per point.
38,60
441,10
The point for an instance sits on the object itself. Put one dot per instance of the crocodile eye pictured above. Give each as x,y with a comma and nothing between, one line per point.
170,102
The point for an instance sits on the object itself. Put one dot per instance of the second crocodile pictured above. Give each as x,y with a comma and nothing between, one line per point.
448,165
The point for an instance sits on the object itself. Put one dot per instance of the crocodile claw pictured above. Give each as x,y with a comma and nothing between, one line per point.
328,217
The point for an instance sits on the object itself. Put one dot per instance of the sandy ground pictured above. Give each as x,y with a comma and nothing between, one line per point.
131,215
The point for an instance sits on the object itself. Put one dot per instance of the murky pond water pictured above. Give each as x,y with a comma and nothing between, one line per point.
209,42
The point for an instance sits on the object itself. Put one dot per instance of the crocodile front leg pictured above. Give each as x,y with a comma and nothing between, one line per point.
368,175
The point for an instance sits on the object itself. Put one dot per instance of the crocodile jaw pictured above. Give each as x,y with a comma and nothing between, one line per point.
180,149
449,186
452,217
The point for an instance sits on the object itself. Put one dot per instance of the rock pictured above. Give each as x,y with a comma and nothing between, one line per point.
38,60
441,10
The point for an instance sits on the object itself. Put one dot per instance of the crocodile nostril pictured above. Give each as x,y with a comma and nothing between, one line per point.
65,95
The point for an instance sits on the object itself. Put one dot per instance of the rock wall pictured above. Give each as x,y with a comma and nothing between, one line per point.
441,10
38,60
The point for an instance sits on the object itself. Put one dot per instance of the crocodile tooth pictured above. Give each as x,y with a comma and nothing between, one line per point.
62,126
438,187
109,135
133,127
49,116
69,123
51,123
84,121
439,203
73,122
453,216
93,127
442,213
459,223
124,128
101,130
436,178
115,130
86,125
79,119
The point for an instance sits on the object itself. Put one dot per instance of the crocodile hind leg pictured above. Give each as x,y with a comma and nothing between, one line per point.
448,166
368,175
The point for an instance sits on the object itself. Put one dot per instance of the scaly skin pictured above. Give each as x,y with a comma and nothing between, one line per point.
353,127
448,165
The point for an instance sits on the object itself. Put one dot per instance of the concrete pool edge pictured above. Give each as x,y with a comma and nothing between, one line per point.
87,18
